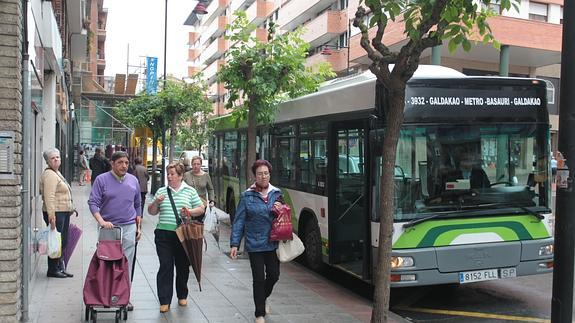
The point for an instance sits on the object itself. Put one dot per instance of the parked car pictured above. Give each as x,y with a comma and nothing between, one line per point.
186,159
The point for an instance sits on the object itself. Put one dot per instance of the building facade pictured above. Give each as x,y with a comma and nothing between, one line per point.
41,43
327,24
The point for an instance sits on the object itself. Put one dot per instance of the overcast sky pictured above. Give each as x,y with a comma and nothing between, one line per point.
140,24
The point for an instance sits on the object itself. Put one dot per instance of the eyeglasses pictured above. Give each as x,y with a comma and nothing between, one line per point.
266,174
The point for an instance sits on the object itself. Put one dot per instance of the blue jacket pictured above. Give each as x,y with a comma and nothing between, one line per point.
254,220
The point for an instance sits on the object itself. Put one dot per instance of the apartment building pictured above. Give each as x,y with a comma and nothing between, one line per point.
530,38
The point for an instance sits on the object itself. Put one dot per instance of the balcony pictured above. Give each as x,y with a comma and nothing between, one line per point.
212,69
239,5
215,9
295,13
193,70
194,53
214,51
259,11
193,37
101,35
325,27
337,59
216,89
262,35
215,29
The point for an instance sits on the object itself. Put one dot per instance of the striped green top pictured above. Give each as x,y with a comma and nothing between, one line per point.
186,196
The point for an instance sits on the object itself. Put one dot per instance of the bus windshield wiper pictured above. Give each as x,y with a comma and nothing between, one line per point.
523,208
433,216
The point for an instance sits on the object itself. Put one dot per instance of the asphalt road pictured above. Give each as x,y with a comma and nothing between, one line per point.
522,299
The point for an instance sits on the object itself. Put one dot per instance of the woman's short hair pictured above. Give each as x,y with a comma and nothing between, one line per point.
119,154
196,158
261,162
177,166
138,160
49,152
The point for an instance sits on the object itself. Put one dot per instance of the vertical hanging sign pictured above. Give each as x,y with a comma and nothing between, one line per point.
151,75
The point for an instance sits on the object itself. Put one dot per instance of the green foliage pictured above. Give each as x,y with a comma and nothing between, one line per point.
259,74
455,21
146,111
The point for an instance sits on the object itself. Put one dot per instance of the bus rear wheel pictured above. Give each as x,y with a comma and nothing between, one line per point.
312,242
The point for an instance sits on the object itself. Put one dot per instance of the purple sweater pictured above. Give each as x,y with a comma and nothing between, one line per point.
117,202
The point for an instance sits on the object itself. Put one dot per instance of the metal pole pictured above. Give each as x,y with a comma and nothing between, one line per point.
26,116
348,45
562,300
165,79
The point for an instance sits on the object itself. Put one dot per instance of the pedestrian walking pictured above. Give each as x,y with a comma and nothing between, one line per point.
184,199
57,206
200,181
115,200
142,175
83,169
98,164
257,201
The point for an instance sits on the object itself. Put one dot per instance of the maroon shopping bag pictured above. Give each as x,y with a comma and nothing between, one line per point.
281,225
108,280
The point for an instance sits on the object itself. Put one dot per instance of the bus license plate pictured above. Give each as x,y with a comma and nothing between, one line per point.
487,274
478,276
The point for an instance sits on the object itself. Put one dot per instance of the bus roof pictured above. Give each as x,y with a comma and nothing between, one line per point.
357,93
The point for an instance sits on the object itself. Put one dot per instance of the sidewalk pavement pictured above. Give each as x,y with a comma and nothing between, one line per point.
226,296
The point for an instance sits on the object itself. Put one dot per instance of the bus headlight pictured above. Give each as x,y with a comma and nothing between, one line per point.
546,250
399,262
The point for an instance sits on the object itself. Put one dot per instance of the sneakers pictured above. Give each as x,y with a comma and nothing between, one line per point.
260,319
164,308
183,302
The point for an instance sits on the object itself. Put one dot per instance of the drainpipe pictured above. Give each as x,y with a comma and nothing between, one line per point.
26,116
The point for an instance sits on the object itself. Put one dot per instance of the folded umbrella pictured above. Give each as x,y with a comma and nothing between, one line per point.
74,234
191,236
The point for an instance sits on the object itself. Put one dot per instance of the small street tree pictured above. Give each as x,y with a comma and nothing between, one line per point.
184,102
427,23
259,75
145,111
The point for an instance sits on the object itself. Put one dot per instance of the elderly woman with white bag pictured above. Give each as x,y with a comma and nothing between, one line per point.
57,207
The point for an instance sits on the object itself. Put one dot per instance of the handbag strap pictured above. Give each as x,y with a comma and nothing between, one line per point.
178,219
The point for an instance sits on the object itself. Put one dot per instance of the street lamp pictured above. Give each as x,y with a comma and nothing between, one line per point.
326,50
165,78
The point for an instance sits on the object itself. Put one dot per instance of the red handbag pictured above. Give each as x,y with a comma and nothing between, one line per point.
281,225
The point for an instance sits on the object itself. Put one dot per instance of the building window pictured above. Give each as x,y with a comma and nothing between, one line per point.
538,11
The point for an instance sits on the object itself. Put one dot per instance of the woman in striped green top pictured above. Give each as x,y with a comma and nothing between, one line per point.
168,247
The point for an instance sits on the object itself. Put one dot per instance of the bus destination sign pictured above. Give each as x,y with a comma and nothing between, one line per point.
473,101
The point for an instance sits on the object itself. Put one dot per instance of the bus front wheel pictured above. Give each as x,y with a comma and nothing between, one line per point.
312,242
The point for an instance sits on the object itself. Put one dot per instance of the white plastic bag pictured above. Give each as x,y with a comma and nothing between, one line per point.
288,250
42,241
210,220
54,244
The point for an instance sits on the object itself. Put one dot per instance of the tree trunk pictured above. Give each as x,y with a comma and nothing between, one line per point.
173,134
394,119
154,162
251,141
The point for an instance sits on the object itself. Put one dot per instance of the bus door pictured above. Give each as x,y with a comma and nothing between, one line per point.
348,200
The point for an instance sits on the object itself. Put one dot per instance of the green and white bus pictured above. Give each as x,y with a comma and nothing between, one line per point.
472,176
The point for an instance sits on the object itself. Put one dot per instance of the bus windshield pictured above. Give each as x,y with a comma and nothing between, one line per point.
488,168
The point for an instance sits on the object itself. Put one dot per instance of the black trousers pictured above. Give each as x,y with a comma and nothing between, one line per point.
170,252
143,197
265,273
62,224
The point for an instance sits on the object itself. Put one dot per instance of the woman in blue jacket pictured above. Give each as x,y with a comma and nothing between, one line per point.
254,220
